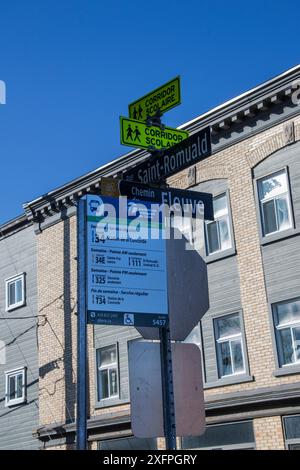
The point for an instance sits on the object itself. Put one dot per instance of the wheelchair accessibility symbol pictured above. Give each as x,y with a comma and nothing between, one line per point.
128,319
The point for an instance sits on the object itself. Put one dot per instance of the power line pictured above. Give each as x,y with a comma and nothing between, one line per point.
22,318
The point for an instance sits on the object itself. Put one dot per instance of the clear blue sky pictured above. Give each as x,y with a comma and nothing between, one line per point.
72,66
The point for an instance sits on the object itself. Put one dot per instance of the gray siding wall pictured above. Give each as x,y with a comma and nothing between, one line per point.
224,292
282,258
17,255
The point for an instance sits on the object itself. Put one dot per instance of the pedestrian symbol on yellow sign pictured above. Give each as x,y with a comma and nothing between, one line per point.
129,132
136,133
137,113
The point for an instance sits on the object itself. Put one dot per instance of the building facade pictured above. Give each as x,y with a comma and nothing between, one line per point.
19,325
249,338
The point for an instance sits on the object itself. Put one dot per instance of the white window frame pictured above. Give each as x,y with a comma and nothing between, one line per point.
283,326
216,221
8,374
274,198
108,367
228,339
9,281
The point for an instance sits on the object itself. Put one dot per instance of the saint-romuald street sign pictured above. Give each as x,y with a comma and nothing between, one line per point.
185,153
138,134
162,99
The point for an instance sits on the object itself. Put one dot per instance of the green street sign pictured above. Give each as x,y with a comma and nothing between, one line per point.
163,98
137,134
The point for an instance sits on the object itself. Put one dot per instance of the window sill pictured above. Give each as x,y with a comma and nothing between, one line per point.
15,306
19,401
288,370
233,380
274,237
219,255
108,402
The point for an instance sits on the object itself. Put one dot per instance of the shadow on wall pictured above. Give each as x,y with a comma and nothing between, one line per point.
70,385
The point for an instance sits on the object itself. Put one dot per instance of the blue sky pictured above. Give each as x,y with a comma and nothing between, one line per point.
71,68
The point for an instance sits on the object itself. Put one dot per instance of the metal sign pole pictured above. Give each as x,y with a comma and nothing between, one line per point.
167,388
81,424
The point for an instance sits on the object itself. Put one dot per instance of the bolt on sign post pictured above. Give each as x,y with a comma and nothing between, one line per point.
139,134
157,101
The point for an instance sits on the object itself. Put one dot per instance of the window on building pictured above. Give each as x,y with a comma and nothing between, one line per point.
229,345
287,327
15,387
15,292
275,203
226,436
218,233
127,443
108,380
291,426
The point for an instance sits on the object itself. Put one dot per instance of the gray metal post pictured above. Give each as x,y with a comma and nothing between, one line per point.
81,422
167,388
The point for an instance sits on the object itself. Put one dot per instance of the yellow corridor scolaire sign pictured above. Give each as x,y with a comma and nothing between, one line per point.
137,134
163,98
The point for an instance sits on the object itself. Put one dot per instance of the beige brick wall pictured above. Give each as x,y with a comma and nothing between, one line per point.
57,290
268,433
57,334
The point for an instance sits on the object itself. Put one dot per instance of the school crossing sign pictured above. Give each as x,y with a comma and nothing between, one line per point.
157,101
137,134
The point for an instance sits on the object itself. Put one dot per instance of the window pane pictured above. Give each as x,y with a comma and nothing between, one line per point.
12,387
228,326
237,356
270,224
18,286
286,346
288,312
273,186
212,235
104,391
224,233
296,333
220,206
225,358
19,385
11,293
283,213
113,380
108,356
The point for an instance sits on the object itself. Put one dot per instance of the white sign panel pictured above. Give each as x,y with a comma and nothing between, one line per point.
126,263
146,389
